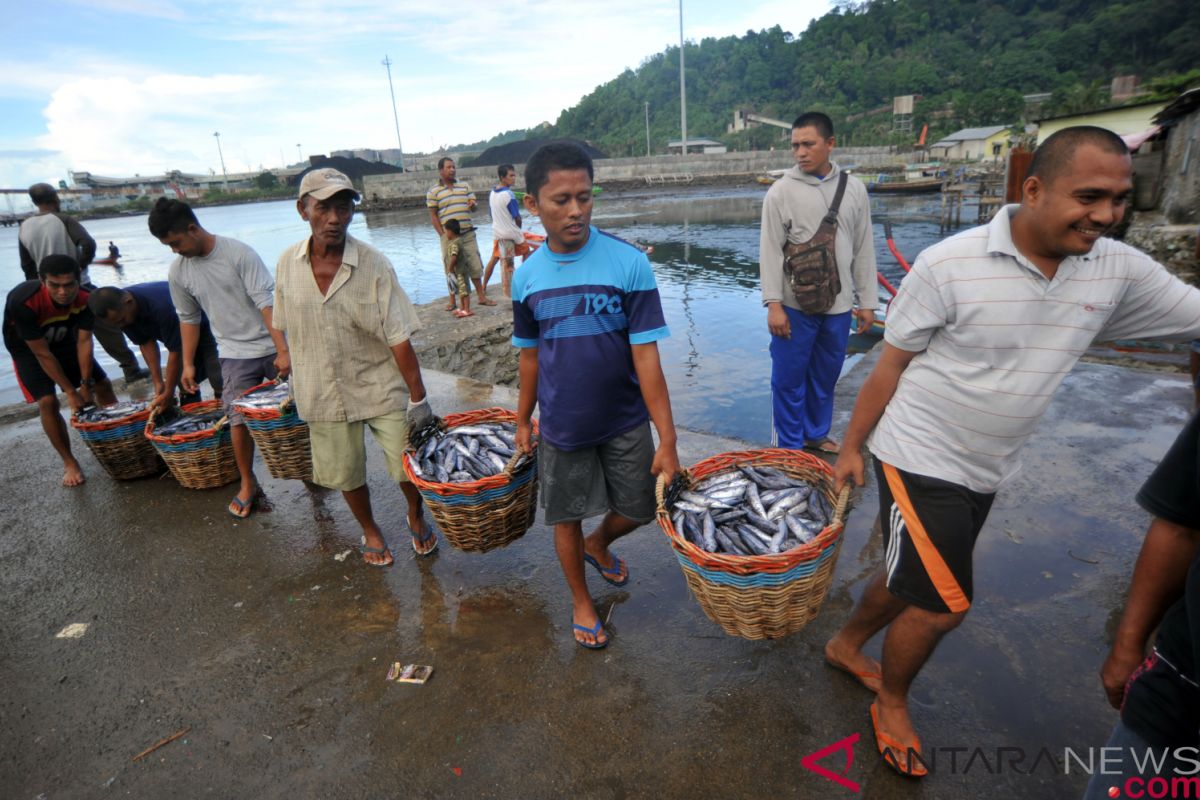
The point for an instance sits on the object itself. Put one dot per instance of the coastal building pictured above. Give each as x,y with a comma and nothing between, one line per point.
990,143
701,146
1121,120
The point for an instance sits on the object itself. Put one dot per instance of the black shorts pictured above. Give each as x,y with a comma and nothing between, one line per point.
36,384
929,532
611,476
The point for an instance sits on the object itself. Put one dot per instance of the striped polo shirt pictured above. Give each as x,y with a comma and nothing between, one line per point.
584,311
995,338
451,202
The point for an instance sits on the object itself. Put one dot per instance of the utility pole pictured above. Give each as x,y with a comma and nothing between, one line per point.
387,62
682,87
299,156
224,174
647,129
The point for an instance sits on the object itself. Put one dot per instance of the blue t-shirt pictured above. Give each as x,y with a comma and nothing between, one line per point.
156,319
583,311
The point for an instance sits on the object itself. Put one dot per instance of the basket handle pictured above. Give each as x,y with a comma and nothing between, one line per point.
839,510
512,461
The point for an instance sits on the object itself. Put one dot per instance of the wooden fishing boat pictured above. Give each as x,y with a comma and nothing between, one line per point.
108,261
885,184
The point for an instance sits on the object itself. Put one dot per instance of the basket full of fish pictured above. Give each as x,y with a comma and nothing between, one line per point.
481,490
116,436
757,534
270,413
195,443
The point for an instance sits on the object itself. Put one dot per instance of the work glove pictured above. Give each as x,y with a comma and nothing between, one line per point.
419,414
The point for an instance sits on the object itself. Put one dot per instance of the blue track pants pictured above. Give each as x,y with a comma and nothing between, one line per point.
804,370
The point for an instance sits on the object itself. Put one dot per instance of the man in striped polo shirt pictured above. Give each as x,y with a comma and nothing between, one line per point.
983,330
446,200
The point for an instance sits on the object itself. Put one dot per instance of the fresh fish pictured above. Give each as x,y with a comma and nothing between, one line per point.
752,540
108,413
798,529
704,501
727,543
783,504
780,535
755,501
708,532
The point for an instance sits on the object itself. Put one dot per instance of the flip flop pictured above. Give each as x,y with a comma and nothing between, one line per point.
595,630
376,550
422,540
606,571
246,508
825,445
458,312
486,302
861,677
905,760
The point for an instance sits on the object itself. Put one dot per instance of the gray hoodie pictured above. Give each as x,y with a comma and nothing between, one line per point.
792,210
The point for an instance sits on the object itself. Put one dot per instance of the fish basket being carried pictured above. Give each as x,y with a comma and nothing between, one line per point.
195,443
757,534
479,488
281,436
116,435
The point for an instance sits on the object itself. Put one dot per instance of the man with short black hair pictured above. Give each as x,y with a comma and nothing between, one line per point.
509,240
983,331
450,199
146,313
48,332
225,280
51,232
808,343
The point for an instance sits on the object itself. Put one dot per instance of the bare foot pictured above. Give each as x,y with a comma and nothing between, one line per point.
483,301
73,475
865,670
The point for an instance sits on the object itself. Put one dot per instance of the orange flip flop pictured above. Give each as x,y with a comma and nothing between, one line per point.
861,677
904,759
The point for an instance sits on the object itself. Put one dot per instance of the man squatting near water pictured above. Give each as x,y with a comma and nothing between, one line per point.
808,350
146,313
225,280
51,232
587,318
983,330
48,332
446,200
350,325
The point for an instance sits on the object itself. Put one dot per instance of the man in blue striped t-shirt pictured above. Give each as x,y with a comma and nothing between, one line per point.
587,317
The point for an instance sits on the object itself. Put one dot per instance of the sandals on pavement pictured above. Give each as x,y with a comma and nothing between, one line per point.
382,551
825,445
614,571
243,509
419,543
861,677
905,760
595,630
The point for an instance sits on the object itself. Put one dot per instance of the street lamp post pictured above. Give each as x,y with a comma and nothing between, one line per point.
682,87
387,62
224,174
647,129
299,156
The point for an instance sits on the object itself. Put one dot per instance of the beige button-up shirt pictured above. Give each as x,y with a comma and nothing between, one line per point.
342,363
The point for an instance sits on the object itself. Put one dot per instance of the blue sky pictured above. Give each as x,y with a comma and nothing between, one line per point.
122,87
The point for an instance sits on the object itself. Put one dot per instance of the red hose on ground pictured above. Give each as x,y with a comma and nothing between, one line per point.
885,283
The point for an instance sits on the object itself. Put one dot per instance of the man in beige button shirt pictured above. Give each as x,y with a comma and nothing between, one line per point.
349,326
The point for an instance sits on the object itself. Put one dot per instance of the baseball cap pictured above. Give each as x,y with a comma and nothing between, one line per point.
325,183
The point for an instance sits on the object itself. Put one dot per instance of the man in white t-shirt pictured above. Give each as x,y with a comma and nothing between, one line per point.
506,228
983,331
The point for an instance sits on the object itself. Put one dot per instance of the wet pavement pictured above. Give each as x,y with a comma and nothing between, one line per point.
275,653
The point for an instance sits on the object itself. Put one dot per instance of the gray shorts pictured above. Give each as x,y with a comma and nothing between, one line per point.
611,476
240,375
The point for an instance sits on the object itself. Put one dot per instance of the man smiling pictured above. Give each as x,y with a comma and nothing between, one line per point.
983,331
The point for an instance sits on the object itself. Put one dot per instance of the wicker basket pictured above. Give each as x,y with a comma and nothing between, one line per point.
201,460
281,436
767,596
488,513
120,445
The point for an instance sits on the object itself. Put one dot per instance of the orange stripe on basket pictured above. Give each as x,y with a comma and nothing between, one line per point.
943,579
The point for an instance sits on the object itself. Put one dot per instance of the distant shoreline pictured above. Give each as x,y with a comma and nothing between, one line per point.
105,214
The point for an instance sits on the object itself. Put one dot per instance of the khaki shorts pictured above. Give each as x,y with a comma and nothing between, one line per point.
339,454
468,254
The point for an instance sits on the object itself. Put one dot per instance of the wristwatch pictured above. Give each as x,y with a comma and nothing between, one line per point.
89,382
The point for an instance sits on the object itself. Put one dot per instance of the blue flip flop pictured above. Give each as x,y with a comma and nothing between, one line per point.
605,572
595,630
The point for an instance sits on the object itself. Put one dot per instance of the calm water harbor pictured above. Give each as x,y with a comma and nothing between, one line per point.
705,258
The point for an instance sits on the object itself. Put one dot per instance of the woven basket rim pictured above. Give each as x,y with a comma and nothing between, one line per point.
136,416
190,408
495,414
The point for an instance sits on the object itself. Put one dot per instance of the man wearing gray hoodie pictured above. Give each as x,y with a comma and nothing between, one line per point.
807,350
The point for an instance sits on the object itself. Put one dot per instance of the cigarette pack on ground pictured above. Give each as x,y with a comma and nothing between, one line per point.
409,673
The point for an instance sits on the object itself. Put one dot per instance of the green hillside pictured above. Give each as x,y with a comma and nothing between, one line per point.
970,60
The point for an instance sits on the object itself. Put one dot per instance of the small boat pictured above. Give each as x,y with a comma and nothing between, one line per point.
770,176
888,184
108,261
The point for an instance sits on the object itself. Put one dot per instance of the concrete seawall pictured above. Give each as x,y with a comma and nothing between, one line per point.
383,191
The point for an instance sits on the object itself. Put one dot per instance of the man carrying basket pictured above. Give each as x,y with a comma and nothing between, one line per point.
349,325
983,331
